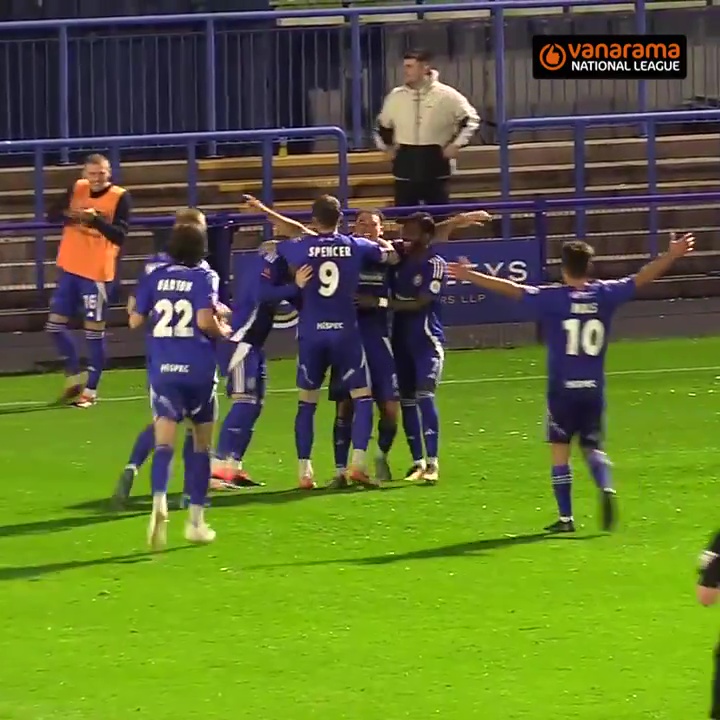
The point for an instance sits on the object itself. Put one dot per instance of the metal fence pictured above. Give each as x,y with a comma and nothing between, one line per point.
208,72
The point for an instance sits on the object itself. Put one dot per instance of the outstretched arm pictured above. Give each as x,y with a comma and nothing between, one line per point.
679,247
284,225
462,270
444,229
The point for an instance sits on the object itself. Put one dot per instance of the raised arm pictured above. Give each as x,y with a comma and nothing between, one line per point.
679,247
462,270
444,229
284,225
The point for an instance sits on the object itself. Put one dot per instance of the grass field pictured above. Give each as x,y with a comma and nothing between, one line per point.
410,602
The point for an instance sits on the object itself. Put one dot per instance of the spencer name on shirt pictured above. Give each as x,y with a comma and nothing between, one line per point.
174,285
330,251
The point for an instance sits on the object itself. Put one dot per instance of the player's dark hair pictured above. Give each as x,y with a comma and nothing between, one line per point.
376,213
326,211
423,220
187,244
420,54
577,258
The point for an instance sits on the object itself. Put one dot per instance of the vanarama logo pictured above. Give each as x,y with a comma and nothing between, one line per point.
605,56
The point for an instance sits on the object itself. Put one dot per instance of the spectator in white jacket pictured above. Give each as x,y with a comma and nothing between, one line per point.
421,127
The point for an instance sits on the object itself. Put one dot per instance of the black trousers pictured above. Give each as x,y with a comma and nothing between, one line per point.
715,711
409,193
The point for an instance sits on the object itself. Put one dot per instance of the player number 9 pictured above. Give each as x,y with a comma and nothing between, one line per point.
588,337
329,278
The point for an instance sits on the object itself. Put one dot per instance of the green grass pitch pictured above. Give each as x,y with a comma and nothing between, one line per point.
410,602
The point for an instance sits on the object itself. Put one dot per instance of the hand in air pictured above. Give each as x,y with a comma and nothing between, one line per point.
303,275
681,246
253,203
461,269
476,217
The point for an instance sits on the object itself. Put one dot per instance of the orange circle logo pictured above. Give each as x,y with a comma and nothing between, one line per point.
552,57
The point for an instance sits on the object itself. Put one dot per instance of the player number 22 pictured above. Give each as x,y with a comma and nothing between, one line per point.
174,319
587,337
329,278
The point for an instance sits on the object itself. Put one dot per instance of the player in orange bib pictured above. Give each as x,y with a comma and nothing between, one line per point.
96,214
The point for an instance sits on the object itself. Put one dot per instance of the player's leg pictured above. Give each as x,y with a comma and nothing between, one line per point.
167,405
406,376
95,305
591,435
64,305
349,361
140,452
429,366
245,388
384,382
203,417
313,362
560,432
715,709
342,424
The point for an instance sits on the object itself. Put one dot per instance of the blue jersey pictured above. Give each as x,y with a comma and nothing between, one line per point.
265,287
328,300
414,278
178,351
576,327
162,258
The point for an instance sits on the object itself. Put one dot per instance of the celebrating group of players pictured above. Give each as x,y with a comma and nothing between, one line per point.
341,286
369,311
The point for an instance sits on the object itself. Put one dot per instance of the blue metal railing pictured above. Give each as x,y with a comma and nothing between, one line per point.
539,209
579,125
190,141
204,72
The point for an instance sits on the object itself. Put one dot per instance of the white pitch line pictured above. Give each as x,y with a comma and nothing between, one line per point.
461,381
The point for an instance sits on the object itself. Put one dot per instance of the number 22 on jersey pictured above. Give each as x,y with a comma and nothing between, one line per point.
174,319
584,337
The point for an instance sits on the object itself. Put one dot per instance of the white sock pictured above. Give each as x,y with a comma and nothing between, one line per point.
340,470
358,459
432,462
196,514
305,468
419,463
132,467
160,503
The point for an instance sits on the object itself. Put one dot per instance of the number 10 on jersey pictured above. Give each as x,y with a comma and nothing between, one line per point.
584,338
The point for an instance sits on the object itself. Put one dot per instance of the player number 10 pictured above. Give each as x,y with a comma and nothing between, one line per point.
329,278
587,337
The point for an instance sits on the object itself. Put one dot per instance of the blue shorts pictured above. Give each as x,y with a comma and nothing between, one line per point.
77,295
572,413
342,353
247,372
381,366
177,402
419,368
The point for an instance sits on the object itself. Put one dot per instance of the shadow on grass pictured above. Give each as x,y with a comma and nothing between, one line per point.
30,407
233,498
34,572
474,548
59,524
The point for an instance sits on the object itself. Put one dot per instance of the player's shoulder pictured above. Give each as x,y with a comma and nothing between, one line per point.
437,266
